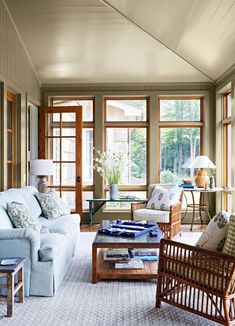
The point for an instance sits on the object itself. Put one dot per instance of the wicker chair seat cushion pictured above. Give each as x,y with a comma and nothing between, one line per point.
214,236
151,215
203,272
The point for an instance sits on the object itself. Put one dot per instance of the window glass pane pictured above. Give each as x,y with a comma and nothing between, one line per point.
229,203
229,157
68,131
131,143
9,146
87,156
55,179
9,114
126,110
178,146
68,116
229,105
9,176
56,148
87,106
123,205
68,149
180,110
86,195
68,174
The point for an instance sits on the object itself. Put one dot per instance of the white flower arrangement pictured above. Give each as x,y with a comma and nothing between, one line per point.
108,165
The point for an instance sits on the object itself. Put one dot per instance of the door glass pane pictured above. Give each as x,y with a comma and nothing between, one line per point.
86,195
126,110
131,143
87,152
178,146
125,205
56,117
180,110
68,131
9,175
55,179
56,148
68,174
70,198
56,132
9,146
68,149
9,115
229,155
68,116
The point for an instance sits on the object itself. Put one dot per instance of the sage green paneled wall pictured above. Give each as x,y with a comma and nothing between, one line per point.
99,91
18,76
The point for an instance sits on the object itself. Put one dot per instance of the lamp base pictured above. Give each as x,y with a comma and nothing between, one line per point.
42,184
202,179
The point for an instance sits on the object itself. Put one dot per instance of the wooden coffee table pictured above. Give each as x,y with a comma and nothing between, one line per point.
104,270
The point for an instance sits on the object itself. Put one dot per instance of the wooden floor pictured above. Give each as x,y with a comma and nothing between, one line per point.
185,227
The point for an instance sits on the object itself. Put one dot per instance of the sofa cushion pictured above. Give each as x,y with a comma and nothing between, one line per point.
21,216
52,205
151,215
13,195
55,226
51,246
29,196
162,199
229,246
214,236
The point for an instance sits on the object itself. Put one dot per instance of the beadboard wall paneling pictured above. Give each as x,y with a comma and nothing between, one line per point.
15,67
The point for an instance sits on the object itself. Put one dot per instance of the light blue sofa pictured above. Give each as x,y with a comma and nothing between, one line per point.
48,254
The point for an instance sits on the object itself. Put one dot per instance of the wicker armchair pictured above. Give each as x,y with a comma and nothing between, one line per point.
168,221
197,280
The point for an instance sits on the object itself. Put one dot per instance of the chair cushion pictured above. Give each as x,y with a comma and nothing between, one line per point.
51,246
229,246
52,205
21,216
162,199
214,236
29,196
151,215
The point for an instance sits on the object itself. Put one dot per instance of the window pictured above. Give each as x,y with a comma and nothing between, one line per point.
10,139
87,140
126,132
227,128
180,136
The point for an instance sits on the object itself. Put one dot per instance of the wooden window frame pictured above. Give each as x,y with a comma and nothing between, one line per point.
11,98
227,121
129,124
179,124
85,124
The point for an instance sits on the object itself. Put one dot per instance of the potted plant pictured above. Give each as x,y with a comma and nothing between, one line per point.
109,166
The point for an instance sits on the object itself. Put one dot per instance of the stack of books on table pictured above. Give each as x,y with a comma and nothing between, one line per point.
121,258
147,254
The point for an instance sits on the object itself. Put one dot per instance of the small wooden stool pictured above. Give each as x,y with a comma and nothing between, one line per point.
9,271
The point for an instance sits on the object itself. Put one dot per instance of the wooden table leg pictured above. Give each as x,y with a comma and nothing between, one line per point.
10,294
21,279
194,209
94,264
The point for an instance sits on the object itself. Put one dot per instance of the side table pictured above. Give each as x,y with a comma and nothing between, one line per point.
11,287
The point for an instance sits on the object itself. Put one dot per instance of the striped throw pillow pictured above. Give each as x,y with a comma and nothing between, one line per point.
229,246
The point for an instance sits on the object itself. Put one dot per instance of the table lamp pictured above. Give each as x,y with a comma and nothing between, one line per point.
41,168
200,163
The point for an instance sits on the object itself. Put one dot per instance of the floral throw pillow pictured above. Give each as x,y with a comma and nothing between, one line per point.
52,205
21,217
214,236
162,198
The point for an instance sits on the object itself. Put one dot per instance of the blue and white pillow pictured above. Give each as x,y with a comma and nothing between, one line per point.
162,199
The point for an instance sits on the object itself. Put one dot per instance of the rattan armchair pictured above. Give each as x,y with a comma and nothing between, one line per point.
168,221
197,280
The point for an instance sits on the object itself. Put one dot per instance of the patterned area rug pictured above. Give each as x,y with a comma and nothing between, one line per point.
108,303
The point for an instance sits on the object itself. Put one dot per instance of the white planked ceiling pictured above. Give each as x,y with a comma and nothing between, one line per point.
86,41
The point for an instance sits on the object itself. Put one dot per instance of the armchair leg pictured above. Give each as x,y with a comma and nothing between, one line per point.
158,303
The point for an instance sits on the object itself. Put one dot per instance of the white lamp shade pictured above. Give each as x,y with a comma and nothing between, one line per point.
202,162
41,167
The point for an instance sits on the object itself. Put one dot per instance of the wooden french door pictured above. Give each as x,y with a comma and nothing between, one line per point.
60,139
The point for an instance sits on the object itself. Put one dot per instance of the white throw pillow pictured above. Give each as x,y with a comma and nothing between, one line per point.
214,236
162,198
21,216
52,205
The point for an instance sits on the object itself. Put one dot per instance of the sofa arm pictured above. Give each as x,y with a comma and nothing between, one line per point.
135,206
20,242
190,264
